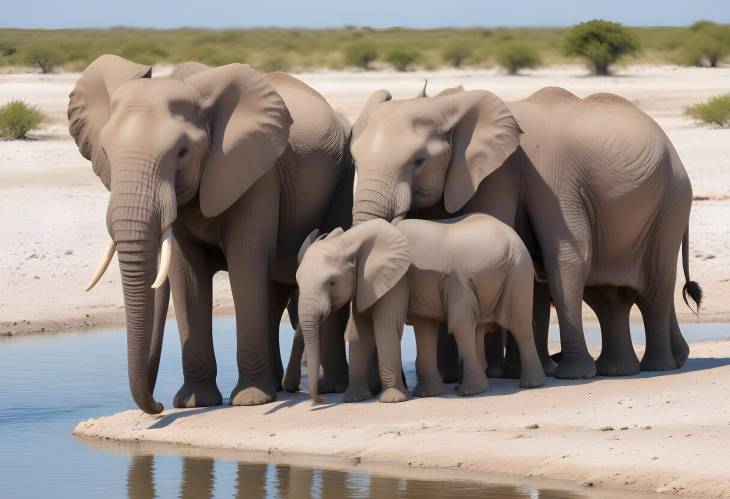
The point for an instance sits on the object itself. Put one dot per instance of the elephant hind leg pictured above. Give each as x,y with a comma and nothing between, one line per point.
493,346
280,295
612,306
680,349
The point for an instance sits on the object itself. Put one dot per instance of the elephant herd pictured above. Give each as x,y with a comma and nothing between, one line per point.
458,213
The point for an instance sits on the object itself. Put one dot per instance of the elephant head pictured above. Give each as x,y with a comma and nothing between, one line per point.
412,153
160,143
361,264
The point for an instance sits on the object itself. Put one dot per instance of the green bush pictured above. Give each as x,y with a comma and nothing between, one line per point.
360,55
705,44
456,53
402,58
18,118
602,43
7,49
273,61
715,111
46,57
514,56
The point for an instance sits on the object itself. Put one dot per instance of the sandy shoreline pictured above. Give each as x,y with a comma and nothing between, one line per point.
652,432
53,207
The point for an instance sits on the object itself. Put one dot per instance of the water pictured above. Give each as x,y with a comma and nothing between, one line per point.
49,383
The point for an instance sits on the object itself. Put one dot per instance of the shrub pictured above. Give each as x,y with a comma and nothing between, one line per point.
402,59
45,57
456,53
273,61
602,43
18,118
514,56
715,111
7,49
705,44
360,55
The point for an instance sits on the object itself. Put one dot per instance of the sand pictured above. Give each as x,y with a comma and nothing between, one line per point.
53,207
653,432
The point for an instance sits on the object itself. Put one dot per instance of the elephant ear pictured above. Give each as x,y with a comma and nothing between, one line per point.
378,97
449,91
249,130
89,106
484,133
382,260
186,69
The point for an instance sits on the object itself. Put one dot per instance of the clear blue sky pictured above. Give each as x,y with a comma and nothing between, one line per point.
335,13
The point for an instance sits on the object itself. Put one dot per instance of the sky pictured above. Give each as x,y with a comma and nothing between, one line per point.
337,13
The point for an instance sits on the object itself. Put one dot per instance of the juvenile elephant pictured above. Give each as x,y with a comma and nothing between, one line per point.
472,272
211,169
593,186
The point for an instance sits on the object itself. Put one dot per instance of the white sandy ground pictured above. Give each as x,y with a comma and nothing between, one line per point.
52,207
653,432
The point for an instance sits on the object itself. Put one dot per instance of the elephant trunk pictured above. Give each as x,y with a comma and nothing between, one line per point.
310,319
136,219
376,198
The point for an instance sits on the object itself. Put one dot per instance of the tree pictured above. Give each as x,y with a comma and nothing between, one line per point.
45,57
402,58
602,43
456,53
514,56
360,55
706,44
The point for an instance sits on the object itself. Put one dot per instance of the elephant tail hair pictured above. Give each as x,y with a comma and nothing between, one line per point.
690,288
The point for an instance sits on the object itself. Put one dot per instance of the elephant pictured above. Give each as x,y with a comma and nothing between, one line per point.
211,169
602,202
472,272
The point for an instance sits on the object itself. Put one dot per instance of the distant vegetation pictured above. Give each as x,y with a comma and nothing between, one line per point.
715,111
600,43
704,44
514,56
18,118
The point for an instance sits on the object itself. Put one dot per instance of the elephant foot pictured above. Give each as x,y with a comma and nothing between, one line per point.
533,379
512,369
392,394
658,361
626,365
549,366
356,394
253,393
475,387
204,394
432,388
575,367
680,351
332,383
290,383
495,370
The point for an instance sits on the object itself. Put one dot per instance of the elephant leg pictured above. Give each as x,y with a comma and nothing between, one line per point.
680,349
448,355
333,377
512,365
293,373
192,293
494,354
612,307
656,310
280,297
566,289
362,353
462,309
541,325
250,246
389,317
481,332
430,383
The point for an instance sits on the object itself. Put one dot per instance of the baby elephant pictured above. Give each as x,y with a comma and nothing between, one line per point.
472,272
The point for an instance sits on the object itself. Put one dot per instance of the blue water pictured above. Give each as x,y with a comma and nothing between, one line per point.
51,382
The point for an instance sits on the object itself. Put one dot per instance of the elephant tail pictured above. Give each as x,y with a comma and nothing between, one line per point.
690,288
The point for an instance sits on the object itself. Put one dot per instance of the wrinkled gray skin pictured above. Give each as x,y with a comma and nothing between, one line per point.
472,272
593,186
240,167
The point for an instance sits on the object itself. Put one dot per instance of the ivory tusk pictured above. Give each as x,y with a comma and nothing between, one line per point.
165,257
103,265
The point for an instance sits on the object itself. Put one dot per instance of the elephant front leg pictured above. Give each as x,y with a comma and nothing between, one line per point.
389,317
541,325
192,293
333,377
362,352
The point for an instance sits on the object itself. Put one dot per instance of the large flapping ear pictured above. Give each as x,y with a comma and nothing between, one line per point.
305,245
378,97
422,93
89,105
249,130
483,135
187,68
449,91
382,258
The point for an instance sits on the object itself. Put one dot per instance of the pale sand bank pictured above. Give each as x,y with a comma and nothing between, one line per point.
658,432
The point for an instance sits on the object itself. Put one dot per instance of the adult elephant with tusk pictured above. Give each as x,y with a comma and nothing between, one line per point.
211,169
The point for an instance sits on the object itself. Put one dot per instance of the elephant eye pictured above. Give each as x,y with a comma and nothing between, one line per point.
419,162
182,153
332,283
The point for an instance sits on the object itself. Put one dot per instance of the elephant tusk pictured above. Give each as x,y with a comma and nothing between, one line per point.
165,257
103,265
